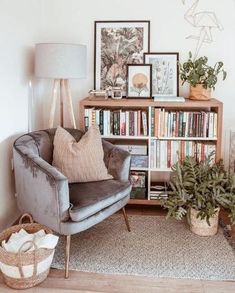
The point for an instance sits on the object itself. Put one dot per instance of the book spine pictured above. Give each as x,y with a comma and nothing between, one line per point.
108,122
111,123
123,123
115,123
152,121
127,123
145,123
135,123
131,124
101,122
156,125
215,124
139,122
211,124
86,119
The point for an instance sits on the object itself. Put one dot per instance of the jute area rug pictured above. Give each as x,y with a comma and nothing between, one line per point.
154,247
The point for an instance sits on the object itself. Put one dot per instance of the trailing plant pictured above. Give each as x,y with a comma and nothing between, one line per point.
204,186
199,72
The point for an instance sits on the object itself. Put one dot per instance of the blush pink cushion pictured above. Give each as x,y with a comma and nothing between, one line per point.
81,161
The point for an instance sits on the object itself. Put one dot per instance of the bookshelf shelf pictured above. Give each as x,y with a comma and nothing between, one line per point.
160,169
186,138
177,139
144,202
129,137
139,169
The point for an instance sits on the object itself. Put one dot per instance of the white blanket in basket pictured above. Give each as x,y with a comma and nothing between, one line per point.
16,242
40,238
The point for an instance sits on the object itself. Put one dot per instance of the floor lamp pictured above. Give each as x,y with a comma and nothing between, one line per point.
60,62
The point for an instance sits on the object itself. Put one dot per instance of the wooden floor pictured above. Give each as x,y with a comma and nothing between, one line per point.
101,283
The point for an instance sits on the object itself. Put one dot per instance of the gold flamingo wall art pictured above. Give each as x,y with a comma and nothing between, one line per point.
205,21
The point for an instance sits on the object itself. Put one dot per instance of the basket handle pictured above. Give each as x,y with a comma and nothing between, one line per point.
26,215
20,266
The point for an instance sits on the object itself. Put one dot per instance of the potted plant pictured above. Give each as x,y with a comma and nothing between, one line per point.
198,191
201,77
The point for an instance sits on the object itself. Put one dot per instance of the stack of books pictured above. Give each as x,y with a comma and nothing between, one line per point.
117,122
164,153
158,190
166,123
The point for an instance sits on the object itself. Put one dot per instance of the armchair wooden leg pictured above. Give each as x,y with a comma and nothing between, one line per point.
67,255
126,219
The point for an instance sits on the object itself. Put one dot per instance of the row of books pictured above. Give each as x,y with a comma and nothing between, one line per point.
166,123
164,154
117,122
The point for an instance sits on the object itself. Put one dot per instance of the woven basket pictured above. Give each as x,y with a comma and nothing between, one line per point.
25,269
201,227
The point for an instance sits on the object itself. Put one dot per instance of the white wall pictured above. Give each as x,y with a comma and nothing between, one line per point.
73,21
19,23
25,22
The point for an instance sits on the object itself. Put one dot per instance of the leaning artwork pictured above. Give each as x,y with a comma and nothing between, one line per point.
118,43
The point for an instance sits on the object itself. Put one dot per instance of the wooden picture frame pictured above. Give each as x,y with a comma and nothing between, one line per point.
139,81
112,51
165,73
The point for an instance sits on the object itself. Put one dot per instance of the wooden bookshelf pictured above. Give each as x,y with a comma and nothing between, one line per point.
212,105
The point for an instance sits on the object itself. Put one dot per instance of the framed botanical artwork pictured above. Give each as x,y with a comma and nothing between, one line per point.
165,73
118,43
139,81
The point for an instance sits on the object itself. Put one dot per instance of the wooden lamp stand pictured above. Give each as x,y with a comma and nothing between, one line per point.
60,62
61,91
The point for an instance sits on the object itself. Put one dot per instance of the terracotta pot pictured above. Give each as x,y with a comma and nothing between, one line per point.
201,227
199,93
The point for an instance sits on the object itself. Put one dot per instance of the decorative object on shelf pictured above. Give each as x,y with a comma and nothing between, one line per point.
169,99
60,62
98,95
118,43
165,75
201,77
116,93
139,161
138,181
200,189
139,81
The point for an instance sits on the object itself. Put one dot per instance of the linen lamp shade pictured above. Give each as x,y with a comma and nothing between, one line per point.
60,61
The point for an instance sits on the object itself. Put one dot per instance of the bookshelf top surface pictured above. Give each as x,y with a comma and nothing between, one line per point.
124,102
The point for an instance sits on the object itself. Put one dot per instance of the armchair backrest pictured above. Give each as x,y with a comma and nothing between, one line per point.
40,143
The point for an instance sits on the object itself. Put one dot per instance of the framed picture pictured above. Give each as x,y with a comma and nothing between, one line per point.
118,43
139,81
165,73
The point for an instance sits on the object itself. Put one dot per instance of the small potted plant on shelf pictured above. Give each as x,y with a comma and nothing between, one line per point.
201,77
199,190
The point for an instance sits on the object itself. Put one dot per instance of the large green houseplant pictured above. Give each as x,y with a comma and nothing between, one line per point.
201,76
200,189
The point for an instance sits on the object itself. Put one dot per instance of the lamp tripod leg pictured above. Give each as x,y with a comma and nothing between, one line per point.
70,103
53,105
62,102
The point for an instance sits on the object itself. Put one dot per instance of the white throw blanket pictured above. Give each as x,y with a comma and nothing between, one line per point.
40,238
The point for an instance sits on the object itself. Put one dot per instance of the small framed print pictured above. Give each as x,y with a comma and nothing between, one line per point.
139,81
165,73
118,43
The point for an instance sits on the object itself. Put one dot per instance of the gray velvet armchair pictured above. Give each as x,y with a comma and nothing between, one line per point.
67,208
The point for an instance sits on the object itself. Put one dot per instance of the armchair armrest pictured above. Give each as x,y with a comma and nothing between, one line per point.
117,161
40,188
